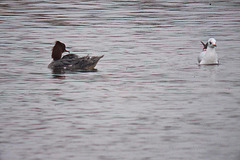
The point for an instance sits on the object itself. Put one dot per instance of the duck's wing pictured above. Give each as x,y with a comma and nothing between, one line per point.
65,62
70,56
71,62
86,63
61,63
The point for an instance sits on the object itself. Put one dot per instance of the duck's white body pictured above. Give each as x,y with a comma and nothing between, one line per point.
209,55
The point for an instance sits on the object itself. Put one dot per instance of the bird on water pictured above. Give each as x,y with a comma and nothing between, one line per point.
71,61
208,55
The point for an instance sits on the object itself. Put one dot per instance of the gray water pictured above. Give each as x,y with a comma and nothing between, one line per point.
149,99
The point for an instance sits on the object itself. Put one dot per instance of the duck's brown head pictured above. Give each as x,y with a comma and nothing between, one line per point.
57,50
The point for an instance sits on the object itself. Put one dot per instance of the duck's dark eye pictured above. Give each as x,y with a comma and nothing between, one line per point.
210,43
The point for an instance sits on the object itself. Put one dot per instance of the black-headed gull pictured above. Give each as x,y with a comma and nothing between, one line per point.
208,55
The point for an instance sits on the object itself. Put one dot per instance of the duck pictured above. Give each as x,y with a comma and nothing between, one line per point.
71,61
208,56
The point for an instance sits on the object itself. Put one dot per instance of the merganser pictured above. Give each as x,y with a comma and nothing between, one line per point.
71,61
208,55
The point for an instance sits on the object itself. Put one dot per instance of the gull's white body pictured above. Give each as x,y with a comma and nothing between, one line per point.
209,55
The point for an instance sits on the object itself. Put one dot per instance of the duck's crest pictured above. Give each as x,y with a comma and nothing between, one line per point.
57,50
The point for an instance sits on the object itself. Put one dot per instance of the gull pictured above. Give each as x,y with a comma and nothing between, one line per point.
208,55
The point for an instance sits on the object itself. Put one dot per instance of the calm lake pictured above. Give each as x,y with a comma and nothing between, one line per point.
148,100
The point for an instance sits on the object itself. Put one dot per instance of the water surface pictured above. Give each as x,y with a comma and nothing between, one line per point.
148,100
